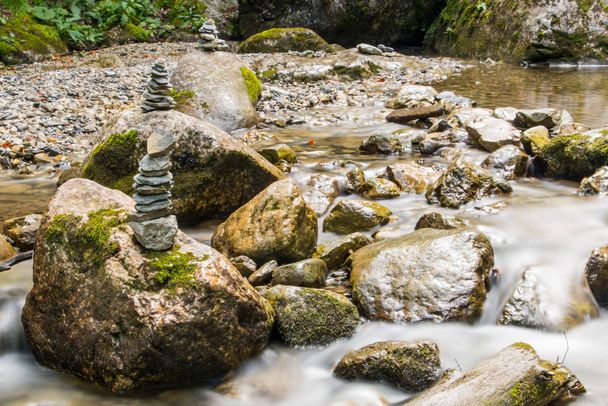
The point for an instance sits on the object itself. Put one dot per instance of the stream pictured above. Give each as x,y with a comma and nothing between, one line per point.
543,224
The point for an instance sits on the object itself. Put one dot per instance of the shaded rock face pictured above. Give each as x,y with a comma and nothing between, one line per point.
284,40
276,224
411,367
597,274
404,116
381,144
567,29
547,118
311,317
336,252
575,156
464,182
436,275
343,21
515,376
22,230
595,184
492,133
213,174
134,320
351,216
508,162
220,89
533,304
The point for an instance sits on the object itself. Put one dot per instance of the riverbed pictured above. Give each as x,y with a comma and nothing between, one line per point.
542,224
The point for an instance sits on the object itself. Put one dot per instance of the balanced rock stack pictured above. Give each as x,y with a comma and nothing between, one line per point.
209,37
158,94
154,226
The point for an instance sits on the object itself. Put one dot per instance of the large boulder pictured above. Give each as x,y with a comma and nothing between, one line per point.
597,274
463,182
435,275
568,29
222,89
411,367
311,317
515,376
345,22
284,40
24,40
276,224
492,133
575,156
213,173
134,319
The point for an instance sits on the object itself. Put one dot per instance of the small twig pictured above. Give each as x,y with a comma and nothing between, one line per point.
458,364
566,353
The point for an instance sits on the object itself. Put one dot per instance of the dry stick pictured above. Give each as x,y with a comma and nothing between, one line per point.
566,353
458,364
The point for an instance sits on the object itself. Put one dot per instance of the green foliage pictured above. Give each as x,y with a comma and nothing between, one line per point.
13,5
173,268
181,96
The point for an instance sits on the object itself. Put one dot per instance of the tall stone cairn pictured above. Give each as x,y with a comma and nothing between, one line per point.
158,92
154,226
209,37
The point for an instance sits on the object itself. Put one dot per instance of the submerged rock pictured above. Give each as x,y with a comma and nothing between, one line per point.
515,376
492,133
595,184
575,156
597,274
463,182
23,230
434,275
440,221
336,252
508,162
276,224
381,144
284,40
412,367
311,317
132,319
309,273
351,216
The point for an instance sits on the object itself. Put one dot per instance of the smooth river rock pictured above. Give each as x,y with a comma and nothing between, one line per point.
492,133
309,273
336,252
597,274
508,162
351,216
440,221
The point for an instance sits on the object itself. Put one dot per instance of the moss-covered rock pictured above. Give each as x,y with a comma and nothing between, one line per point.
132,318
411,367
351,216
24,40
311,317
254,86
284,40
575,156
279,152
534,139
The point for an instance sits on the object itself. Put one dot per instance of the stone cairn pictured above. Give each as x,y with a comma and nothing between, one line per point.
209,37
158,92
154,226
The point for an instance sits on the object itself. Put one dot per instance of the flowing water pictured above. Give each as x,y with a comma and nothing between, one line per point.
542,225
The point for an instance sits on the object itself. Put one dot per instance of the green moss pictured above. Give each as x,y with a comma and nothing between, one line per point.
254,86
23,40
138,33
173,268
524,346
269,74
114,162
284,40
85,242
575,156
182,97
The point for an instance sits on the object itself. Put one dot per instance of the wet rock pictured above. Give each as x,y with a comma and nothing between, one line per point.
493,133
263,275
428,275
411,367
213,173
380,188
410,176
575,156
548,118
246,266
515,376
6,249
534,139
414,95
597,274
276,224
309,273
532,304
311,317
440,221
336,252
429,147
355,179
508,162
149,300
22,230
368,49
221,90
381,144
284,40
321,192
595,184
404,116
277,153
351,216
463,182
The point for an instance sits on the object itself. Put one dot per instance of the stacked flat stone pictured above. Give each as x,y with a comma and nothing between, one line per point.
209,37
158,92
152,223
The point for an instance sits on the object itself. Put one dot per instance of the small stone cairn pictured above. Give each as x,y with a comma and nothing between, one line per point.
209,37
158,93
154,226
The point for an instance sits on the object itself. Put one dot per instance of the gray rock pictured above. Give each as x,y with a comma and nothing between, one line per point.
144,200
386,49
597,274
160,143
156,235
381,144
508,162
506,113
336,252
321,192
309,273
595,184
440,221
492,133
154,166
158,206
245,265
263,275
139,217
368,49
162,181
351,216
146,190
157,97
548,118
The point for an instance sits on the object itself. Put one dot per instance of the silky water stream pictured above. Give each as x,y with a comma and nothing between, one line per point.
543,225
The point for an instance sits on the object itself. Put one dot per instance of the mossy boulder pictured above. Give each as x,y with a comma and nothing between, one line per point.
276,224
24,40
224,90
515,376
428,275
335,253
214,174
575,156
514,31
411,367
351,216
284,40
133,318
307,317
597,274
